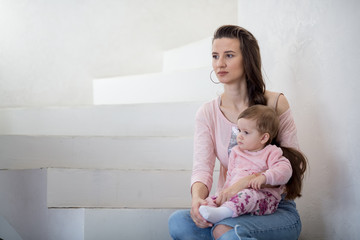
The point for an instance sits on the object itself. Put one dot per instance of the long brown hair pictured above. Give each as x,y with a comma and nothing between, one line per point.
267,122
299,164
252,60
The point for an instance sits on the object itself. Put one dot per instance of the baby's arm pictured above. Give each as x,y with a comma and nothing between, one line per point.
257,182
279,171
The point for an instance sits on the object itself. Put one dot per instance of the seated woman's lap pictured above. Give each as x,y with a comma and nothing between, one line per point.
182,227
283,224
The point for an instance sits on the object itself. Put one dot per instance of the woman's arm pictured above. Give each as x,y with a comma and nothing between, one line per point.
204,153
199,192
203,165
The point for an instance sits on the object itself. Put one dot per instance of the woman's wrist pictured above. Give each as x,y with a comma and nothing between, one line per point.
199,191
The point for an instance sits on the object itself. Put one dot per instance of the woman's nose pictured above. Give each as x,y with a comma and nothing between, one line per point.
221,62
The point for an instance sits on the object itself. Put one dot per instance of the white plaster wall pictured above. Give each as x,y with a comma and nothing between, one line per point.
23,205
50,51
310,52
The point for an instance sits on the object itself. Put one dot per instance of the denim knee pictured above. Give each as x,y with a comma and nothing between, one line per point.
175,229
182,227
233,234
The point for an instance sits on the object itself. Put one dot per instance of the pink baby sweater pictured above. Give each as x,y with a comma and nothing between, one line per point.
211,140
270,161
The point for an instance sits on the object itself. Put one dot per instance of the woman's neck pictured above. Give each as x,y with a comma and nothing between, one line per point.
234,100
235,96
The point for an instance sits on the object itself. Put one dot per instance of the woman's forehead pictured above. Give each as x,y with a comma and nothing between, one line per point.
226,44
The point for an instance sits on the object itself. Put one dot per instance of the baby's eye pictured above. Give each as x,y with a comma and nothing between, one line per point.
246,132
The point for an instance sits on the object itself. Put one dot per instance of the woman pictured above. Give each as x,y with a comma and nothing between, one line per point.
237,64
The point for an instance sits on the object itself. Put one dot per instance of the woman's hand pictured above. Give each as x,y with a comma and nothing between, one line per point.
199,192
195,214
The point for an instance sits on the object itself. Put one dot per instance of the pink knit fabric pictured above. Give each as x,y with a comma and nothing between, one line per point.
211,139
275,167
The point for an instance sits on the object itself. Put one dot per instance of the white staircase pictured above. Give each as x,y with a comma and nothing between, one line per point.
115,170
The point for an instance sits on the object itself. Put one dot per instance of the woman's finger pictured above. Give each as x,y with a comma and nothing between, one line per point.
197,217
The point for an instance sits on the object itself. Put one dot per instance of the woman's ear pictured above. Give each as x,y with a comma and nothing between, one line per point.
265,138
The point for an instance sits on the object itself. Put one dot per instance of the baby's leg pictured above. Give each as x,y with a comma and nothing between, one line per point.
215,214
252,201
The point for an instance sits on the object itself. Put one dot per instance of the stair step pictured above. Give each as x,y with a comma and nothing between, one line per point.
118,188
156,119
181,86
29,192
31,152
91,188
197,55
114,224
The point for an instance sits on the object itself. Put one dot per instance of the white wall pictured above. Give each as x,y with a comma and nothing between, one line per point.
50,51
310,52
23,204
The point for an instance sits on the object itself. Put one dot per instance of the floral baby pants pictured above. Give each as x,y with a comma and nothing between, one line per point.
251,201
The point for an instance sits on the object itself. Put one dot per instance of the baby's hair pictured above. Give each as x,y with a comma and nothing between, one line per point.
267,121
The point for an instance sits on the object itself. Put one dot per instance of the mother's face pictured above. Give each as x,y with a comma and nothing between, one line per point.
227,60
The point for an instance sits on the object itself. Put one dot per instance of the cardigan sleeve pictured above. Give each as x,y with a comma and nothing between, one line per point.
287,135
204,149
279,168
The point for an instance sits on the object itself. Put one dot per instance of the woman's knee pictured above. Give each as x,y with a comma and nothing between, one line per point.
173,223
179,224
220,230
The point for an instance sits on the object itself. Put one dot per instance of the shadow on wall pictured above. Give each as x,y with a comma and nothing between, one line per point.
7,231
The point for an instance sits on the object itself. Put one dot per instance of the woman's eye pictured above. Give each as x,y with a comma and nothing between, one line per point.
230,55
215,56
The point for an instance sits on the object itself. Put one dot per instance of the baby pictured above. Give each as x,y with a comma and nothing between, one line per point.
258,126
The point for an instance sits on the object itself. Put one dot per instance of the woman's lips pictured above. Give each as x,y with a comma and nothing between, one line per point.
222,73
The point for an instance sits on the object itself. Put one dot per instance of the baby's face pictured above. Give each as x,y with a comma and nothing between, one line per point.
249,138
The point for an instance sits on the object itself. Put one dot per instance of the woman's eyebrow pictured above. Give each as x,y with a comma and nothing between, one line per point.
228,51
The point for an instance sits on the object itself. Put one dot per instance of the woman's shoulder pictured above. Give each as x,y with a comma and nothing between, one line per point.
208,108
277,101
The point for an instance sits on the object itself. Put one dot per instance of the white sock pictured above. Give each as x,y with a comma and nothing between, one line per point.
215,214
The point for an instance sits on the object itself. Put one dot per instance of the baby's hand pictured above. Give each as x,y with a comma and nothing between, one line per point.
213,198
257,182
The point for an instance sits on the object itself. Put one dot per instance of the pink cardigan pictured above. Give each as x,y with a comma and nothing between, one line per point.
211,140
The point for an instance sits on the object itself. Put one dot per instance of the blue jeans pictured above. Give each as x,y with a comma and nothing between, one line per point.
283,224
